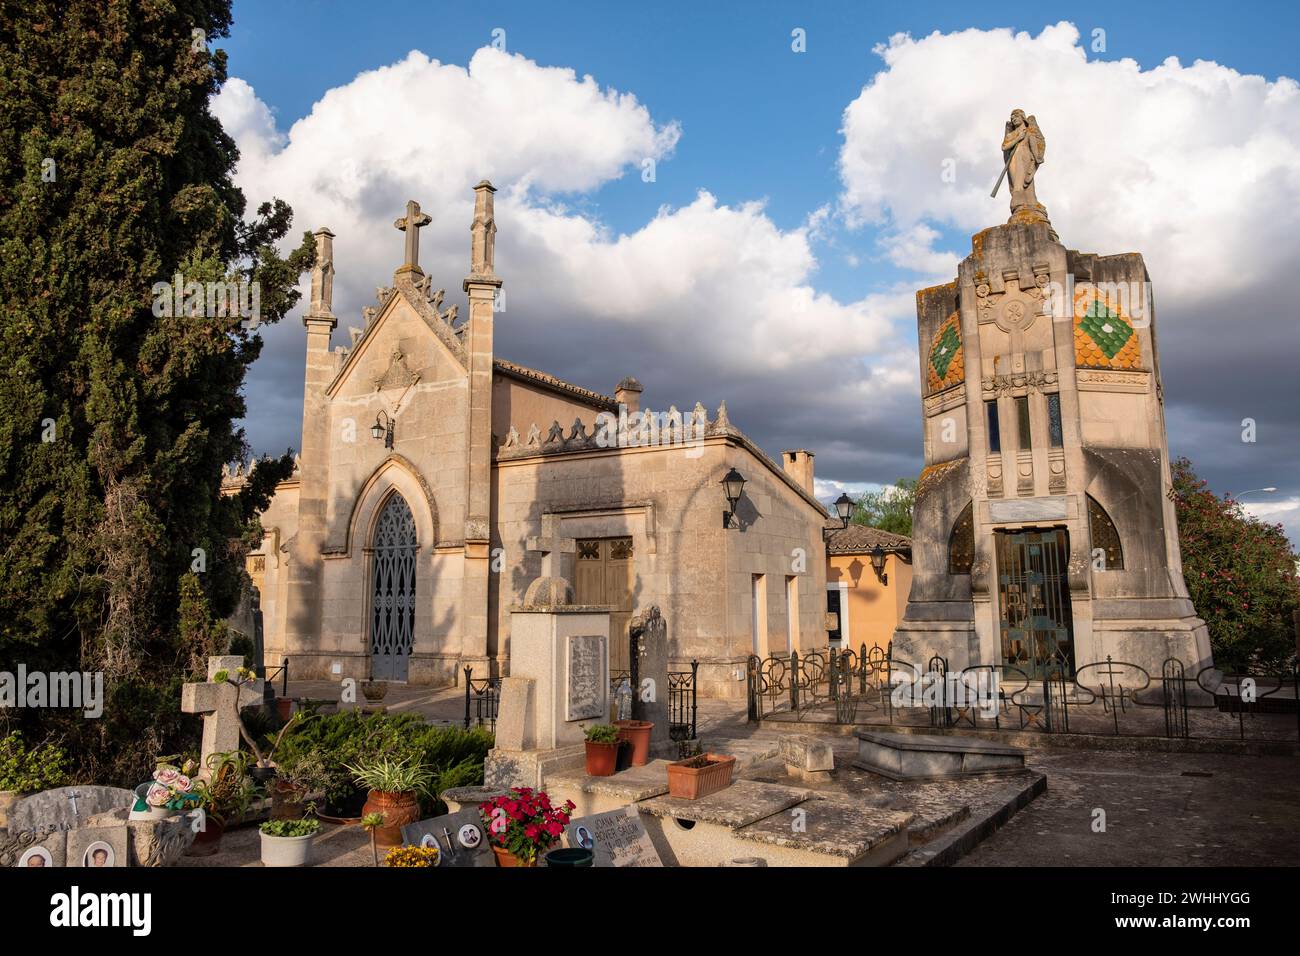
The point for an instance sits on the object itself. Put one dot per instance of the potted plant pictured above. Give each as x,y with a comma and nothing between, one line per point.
522,824
373,690
264,767
637,732
172,790
298,778
602,749
700,775
288,842
24,771
224,799
370,823
396,787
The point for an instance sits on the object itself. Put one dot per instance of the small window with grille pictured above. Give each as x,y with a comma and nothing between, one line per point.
961,543
1104,538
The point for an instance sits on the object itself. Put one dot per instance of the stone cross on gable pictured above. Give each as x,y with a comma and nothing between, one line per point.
411,224
220,705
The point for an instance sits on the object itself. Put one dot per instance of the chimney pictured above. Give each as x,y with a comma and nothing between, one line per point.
628,393
798,465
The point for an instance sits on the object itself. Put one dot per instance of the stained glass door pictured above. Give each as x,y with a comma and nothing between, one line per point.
1037,624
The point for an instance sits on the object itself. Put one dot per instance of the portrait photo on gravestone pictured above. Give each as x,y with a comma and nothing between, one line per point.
795,437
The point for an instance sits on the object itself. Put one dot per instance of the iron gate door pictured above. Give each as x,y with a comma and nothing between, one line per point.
1037,626
392,616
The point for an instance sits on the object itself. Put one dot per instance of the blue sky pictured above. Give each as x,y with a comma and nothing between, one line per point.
761,124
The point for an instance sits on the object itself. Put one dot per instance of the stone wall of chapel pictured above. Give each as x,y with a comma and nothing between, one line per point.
670,502
518,404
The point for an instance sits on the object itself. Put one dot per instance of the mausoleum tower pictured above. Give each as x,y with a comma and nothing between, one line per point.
1044,536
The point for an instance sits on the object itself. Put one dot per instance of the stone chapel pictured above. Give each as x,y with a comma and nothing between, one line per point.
436,481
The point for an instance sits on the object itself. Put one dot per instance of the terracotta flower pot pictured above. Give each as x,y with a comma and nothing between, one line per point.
700,776
398,809
601,759
284,707
208,840
506,858
638,732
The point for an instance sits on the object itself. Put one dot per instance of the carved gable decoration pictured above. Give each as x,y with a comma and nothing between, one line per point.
398,374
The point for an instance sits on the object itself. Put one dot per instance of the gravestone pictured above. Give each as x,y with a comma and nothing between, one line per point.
220,705
95,847
650,698
65,808
617,838
587,676
18,847
460,836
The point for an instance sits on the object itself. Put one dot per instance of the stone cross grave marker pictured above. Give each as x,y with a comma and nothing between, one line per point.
220,705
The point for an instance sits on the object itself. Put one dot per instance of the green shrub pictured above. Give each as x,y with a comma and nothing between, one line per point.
28,771
452,755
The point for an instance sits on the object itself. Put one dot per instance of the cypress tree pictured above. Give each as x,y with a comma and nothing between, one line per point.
117,410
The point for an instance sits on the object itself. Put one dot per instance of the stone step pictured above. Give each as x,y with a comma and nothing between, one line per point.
932,756
839,827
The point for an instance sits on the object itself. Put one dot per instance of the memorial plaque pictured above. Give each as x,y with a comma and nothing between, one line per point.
97,847
587,670
1027,509
461,838
617,838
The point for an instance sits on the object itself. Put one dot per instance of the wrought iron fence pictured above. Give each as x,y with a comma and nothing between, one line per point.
482,697
682,701
1105,697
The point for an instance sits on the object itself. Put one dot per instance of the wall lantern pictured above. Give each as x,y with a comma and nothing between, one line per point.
878,564
383,428
733,483
844,508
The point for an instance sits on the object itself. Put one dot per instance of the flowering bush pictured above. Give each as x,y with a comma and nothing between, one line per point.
1240,573
524,822
173,788
407,856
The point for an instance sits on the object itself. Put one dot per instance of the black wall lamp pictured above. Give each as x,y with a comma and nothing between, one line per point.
878,564
844,508
733,483
383,428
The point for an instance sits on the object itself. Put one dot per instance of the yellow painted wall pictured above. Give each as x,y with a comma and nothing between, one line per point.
874,609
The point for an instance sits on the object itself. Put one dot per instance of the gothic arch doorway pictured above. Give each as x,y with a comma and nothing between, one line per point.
392,590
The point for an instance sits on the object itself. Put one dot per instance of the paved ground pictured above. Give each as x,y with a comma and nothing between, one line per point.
1160,808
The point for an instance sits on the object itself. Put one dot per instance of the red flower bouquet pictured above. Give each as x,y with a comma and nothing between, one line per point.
523,823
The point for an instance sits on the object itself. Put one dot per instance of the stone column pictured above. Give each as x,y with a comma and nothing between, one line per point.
302,627
481,287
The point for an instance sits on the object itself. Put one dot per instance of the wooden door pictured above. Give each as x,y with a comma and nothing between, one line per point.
605,575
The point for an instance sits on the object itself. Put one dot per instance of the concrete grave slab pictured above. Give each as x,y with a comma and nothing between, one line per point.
932,756
601,794
740,804
858,834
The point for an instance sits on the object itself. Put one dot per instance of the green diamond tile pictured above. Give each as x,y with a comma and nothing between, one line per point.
945,350
1107,329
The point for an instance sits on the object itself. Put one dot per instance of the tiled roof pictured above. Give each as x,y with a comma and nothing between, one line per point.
555,384
859,539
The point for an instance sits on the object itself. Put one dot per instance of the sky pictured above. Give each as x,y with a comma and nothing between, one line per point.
738,201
